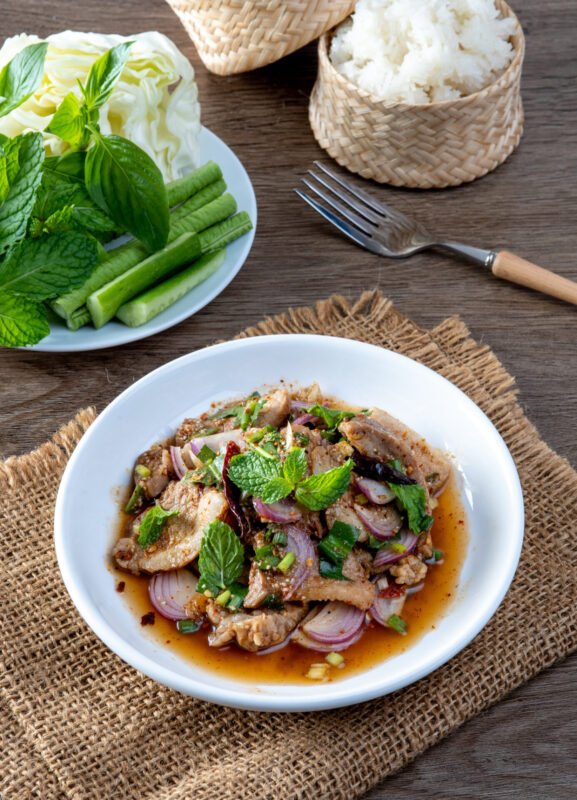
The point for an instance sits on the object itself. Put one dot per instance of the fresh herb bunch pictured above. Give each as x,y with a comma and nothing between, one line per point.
54,210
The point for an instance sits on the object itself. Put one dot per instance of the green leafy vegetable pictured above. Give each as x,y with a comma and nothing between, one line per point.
22,321
221,558
151,526
295,465
276,489
273,601
128,186
45,267
413,499
335,547
332,417
21,77
266,558
398,624
68,167
245,414
104,74
320,491
69,122
20,174
301,439
251,472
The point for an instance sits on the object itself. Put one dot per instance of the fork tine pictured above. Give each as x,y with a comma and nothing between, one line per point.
344,227
345,211
375,205
349,198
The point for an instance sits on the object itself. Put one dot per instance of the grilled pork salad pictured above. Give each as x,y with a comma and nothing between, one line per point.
285,518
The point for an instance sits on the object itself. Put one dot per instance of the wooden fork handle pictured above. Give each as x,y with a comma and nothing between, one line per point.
512,268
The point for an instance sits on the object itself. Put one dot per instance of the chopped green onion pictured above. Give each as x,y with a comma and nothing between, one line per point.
272,455
318,672
280,538
273,601
397,547
287,562
143,471
205,432
334,659
397,624
437,554
134,498
187,626
301,438
224,597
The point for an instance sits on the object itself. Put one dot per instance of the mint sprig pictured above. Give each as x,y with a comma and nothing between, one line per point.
221,558
332,417
270,480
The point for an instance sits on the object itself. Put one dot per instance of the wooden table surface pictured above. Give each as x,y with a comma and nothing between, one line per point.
525,747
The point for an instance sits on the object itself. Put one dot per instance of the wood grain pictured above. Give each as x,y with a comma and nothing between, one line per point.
526,746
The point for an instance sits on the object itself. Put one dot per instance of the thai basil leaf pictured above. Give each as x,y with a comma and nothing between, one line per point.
104,74
69,122
128,186
68,167
21,77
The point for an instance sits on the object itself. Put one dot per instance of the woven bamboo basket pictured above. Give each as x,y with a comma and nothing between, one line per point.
239,35
420,146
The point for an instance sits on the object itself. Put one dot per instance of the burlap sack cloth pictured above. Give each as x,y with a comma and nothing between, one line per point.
79,723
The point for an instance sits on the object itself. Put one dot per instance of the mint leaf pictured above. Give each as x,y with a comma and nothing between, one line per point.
21,77
128,186
295,465
22,321
412,498
320,491
151,526
69,122
332,417
104,74
252,472
221,558
46,267
276,489
21,169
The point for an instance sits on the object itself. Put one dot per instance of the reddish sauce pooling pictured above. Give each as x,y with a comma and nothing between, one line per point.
422,612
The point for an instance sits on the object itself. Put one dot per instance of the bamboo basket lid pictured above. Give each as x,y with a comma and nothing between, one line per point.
239,35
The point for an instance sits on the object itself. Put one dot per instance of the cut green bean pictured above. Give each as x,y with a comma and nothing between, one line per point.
223,233
183,188
130,254
78,318
104,303
198,200
147,305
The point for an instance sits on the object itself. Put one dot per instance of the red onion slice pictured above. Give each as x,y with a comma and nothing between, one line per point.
304,418
300,638
388,556
299,543
384,607
170,591
216,440
375,491
177,462
335,624
381,522
282,511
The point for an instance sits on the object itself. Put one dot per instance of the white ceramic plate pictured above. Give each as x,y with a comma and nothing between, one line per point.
114,333
359,373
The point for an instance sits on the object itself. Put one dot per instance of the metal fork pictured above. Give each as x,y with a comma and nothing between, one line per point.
384,230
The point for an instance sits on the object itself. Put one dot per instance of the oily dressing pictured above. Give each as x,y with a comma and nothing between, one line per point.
290,663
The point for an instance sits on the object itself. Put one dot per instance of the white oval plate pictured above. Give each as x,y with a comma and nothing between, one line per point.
151,409
61,340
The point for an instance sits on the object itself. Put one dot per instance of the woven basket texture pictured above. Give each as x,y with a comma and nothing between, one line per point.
419,146
236,35
77,723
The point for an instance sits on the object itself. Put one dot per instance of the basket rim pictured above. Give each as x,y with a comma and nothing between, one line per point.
504,78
